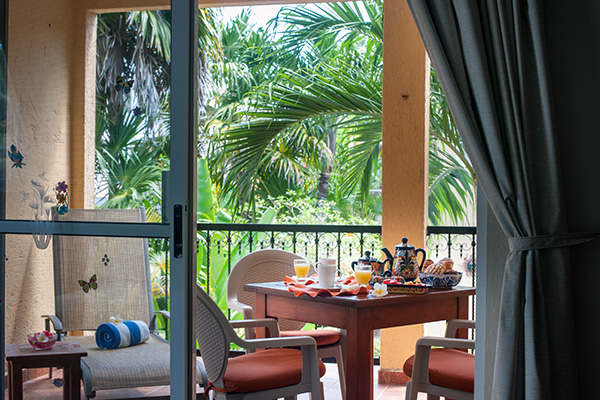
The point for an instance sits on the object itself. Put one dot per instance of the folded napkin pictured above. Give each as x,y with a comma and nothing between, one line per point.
349,286
123,334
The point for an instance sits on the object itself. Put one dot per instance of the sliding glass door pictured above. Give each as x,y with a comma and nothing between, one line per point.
82,128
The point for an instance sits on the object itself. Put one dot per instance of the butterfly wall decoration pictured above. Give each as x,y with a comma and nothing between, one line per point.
16,157
86,286
123,85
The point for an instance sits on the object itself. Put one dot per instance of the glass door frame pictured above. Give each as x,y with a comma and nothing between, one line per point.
180,223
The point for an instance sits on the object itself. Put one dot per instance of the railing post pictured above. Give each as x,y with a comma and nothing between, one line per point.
294,242
208,262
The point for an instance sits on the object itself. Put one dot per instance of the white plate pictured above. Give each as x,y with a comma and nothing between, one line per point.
317,286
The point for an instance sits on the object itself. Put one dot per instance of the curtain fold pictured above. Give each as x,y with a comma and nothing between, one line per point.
490,57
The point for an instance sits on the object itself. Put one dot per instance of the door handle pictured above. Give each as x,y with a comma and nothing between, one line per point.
178,226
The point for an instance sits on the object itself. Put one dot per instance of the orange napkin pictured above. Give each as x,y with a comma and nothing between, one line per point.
302,288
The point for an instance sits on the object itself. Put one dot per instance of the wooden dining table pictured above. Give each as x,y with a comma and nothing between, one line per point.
357,316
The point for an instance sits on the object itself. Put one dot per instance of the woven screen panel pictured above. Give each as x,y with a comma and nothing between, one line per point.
268,271
123,282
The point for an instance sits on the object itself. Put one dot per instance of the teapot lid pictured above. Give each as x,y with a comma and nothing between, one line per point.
367,258
404,245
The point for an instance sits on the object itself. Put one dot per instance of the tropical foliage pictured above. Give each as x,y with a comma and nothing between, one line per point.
291,124
312,121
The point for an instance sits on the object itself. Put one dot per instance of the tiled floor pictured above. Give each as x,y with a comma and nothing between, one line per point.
43,389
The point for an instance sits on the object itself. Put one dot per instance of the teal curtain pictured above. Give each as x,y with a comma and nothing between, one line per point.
490,57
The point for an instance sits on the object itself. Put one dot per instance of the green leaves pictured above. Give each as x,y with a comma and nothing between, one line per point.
451,177
129,162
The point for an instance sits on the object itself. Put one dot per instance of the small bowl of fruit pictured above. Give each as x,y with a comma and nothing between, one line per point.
42,340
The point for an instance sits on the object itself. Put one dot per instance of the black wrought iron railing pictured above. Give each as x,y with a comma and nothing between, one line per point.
220,246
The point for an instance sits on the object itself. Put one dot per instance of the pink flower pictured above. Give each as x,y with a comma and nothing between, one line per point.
62,187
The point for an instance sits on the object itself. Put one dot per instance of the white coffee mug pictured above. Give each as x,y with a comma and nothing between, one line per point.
326,268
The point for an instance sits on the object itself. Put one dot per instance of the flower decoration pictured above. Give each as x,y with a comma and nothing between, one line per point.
58,382
137,111
62,198
62,187
105,260
116,320
379,290
43,336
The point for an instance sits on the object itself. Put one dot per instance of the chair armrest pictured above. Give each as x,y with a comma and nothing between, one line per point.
271,324
166,314
56,324
267,343
244,309
455,324
450,343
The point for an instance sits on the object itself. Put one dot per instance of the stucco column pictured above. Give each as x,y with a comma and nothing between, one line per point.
404,159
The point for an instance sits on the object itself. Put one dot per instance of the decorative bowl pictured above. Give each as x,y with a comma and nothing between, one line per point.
42,340
441,281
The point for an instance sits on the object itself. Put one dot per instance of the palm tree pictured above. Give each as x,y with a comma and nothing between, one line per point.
132,141
452,178
336,88
129,163
135,46
285,130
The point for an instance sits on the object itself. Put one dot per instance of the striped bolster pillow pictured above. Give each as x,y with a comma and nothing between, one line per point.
128,333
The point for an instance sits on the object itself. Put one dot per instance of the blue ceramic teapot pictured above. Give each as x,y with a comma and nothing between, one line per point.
405,260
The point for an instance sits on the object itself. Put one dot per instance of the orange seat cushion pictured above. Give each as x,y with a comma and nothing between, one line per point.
323,337
449,368
268,369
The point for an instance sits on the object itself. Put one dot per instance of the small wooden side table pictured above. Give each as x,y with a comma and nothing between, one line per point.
64,354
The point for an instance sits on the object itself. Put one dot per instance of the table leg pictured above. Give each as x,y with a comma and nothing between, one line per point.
72,389
260,312
16,381
358,357
66,382
462,312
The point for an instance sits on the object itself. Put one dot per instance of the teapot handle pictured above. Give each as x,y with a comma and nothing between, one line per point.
387,253
353,264
422,259
390,269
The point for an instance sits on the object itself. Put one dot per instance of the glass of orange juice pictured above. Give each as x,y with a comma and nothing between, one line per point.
362,272
301,267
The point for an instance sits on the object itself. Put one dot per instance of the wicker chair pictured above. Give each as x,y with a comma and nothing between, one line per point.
442,371
272,373
123,288
270,265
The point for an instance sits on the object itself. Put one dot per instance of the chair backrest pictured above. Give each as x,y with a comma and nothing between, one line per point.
268,265
123,281
214,334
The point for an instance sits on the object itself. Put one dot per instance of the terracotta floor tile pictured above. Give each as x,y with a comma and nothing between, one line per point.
43,389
